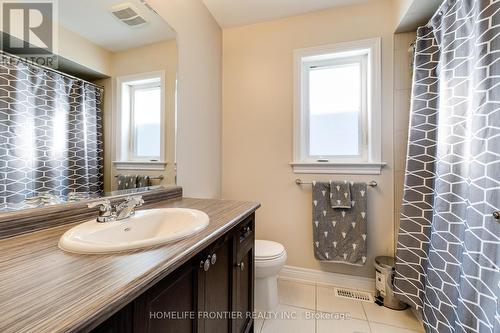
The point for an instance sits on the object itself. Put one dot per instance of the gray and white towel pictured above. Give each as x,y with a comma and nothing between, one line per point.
340,194
126,182
340,234
143,181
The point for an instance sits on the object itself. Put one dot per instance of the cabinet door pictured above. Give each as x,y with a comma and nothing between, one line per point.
244,277
120,322
216,288
171,305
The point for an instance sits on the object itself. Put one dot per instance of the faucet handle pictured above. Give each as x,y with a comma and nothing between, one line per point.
106,213
127,207
136,200
104,205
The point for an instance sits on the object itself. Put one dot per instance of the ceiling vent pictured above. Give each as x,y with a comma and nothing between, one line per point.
128,14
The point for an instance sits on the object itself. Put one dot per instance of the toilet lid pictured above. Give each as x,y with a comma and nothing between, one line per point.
266,250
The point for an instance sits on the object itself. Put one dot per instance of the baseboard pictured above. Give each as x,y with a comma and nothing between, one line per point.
337,279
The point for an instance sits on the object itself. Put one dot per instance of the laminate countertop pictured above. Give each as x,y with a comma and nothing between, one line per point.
44,289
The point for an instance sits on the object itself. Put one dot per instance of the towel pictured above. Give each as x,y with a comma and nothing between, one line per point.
126,182
340,194
339,234
143,181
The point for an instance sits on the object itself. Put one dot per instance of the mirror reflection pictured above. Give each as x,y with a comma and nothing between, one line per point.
100,119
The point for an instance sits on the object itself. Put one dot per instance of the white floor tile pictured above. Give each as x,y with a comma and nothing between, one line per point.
383,315
328,302
297,294
382,328
342,326
257,325
288,319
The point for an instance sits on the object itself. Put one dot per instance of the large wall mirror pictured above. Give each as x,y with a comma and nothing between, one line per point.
97,121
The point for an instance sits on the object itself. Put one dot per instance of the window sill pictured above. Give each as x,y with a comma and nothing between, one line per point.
139,165
354,168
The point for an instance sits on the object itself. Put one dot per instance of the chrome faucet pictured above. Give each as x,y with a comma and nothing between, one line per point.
127,208
108,213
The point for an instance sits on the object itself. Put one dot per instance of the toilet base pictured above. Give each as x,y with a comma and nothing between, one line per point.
266,293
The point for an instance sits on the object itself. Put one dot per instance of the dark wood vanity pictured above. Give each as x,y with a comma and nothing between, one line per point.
178,287
212,292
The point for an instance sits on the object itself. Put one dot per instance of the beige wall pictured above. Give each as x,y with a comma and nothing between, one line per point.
82,51
258,119
402,95
401,7
199,42
154,57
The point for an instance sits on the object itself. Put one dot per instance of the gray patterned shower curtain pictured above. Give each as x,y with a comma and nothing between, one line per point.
449,243
50,133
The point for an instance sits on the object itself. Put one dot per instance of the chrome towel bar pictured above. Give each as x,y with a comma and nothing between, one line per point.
150,177
299,181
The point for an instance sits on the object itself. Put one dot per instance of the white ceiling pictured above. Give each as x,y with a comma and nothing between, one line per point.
93,20
231,13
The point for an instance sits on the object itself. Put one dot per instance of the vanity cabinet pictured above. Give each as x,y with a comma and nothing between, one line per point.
120,322
168,306
215,287
211,293
243,277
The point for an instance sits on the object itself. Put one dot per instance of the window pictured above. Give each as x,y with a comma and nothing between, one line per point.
337,109
145,120
141,122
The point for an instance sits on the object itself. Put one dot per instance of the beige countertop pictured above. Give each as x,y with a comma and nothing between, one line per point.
44,289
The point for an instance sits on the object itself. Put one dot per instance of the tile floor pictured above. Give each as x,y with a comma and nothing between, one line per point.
313,308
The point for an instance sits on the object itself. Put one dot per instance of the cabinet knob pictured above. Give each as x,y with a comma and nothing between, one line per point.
205,265
213,259
241,265
496,215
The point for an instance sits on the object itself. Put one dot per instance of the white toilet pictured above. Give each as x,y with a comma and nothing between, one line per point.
269,259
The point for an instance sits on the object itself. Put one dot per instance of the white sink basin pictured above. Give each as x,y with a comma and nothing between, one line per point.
145,228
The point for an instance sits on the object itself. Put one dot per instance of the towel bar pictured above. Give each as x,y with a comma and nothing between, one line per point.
299,181
150,177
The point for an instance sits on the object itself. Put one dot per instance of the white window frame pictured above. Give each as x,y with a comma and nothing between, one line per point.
369,161
125,158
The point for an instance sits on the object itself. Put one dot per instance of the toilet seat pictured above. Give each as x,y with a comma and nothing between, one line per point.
268,250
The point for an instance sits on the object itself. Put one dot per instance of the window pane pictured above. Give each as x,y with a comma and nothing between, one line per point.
334,109
147,117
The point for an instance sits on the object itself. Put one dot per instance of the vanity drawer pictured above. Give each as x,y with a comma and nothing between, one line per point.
245,237
246,230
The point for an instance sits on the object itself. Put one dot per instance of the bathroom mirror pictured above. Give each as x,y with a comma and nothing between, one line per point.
90,113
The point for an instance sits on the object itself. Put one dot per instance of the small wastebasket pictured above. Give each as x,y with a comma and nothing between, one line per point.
384,279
